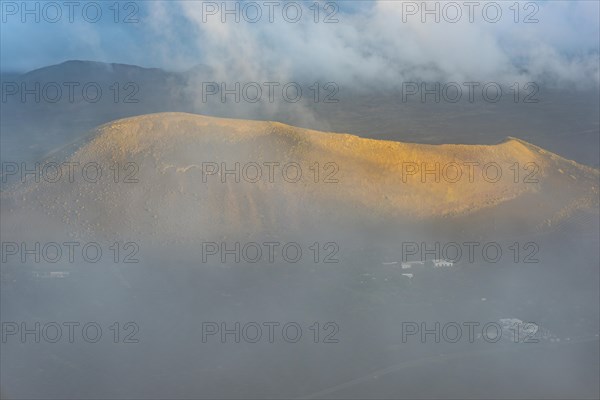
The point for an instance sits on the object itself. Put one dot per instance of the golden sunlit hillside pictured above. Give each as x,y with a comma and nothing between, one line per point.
177,177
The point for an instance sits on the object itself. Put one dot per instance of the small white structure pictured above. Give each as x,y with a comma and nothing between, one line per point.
409,276
406,266
442,263
390,263
517,330
50,274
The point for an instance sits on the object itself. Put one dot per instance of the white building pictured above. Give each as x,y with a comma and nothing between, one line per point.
442,263
50,274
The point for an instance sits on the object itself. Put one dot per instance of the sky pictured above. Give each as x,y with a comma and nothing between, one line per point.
370,42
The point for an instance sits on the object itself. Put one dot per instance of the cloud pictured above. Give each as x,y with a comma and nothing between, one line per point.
373,44
380,43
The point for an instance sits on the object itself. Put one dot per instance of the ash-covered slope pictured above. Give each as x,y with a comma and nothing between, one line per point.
171,182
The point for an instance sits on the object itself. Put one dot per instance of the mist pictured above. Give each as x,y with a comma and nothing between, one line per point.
223,208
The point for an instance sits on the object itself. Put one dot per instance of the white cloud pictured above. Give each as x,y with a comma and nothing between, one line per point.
375,47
